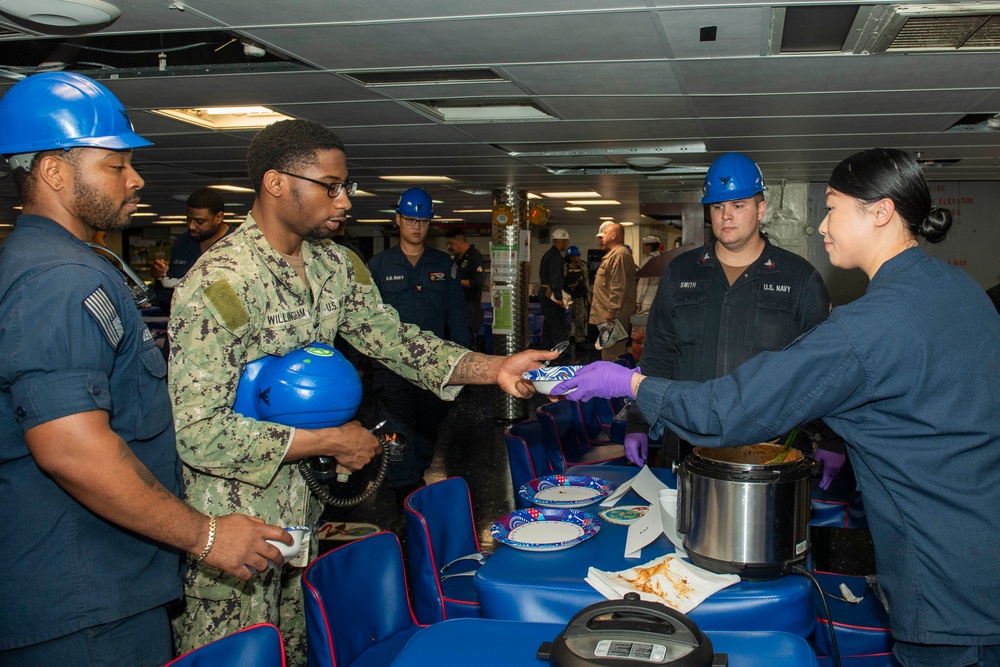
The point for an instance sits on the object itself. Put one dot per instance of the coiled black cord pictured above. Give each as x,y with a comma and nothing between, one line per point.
798,569
321,491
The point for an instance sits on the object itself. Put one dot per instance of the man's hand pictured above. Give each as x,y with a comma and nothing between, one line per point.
601,379
352,445
240,544
509,375
158,269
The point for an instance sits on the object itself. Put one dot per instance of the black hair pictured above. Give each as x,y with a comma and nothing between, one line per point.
887,173
26,180
287,145
207,198
452,232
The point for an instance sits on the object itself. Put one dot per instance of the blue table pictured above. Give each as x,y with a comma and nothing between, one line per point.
490,643
549,587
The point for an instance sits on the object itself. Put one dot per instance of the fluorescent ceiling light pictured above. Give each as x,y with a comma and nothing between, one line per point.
627,224
458,111
606,217
379,220
145,214
361,193
418,179
572,195
173,217
532,195
231,188
637,149
225,118
574,208
475,210
161,221
594,202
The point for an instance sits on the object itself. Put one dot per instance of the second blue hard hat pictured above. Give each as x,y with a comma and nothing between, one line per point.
63,110
732,176
415,203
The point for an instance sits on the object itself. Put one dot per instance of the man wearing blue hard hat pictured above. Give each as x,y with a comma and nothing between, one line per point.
422,284
276,285
88,466
719,305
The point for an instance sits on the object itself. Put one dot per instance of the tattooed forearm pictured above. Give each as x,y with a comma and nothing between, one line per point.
141,471
475,368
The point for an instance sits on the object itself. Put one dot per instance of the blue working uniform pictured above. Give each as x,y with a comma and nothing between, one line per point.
184,253
700,327
909,376
72,341
429,295
550,275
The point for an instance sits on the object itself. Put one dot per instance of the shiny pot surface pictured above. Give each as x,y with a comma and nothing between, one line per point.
741,514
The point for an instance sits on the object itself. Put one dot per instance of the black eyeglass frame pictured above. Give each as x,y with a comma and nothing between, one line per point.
333,190
416,222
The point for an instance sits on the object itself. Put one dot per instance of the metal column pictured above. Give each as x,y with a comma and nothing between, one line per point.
505,406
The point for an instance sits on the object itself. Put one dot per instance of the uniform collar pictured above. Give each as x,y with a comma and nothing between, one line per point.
766,263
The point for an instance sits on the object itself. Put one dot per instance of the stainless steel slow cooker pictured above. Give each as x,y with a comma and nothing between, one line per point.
740,513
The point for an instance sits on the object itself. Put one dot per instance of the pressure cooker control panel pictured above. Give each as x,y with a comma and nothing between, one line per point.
641,651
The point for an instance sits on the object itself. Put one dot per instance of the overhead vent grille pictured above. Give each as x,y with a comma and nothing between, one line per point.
977,122
959,26
426,77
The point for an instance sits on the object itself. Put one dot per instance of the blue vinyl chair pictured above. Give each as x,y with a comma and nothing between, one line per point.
443,550
526,456
568,439
862,629
259,645
356,604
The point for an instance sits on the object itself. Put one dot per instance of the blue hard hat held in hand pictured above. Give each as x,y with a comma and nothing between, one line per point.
63,110
415,203
312,387
732,176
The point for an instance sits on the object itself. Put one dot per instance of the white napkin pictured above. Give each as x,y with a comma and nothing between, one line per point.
667,579
645,483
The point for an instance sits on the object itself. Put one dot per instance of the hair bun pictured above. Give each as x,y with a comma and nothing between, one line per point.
936,225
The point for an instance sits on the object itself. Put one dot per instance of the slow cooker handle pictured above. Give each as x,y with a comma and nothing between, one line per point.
683,497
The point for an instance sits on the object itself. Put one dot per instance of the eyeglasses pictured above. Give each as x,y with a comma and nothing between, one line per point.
333,190
417,222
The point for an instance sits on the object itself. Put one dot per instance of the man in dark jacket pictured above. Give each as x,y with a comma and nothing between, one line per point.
722,304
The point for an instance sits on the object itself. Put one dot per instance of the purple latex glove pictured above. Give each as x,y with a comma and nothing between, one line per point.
601,379
637,448
832,463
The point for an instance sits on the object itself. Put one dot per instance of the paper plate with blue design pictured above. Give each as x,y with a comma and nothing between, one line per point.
566,490
545,379
536,529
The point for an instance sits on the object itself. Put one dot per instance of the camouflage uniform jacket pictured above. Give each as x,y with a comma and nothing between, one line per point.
242,301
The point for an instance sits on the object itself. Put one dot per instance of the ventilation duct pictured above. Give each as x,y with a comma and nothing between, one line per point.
915,28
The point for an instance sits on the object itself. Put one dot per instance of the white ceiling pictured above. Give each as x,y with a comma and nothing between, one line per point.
617,74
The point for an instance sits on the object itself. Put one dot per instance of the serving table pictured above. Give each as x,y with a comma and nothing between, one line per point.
492,643
549,587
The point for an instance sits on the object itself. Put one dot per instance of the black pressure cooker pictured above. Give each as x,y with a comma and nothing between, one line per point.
630,633
741,513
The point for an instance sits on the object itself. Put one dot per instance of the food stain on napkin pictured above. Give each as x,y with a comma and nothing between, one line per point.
667,579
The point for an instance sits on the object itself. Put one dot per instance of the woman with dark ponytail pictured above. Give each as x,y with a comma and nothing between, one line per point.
909,376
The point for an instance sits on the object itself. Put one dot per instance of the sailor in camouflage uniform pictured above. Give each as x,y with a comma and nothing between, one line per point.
275,285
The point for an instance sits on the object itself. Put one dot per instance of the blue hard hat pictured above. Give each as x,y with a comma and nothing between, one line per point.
415,203
732,176
63,110
312,387
572,251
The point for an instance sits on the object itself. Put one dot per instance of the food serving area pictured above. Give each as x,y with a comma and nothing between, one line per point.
527,596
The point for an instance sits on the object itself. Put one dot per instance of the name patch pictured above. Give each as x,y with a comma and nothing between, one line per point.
688,284
287,316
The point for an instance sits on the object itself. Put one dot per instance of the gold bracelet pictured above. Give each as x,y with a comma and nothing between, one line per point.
211,539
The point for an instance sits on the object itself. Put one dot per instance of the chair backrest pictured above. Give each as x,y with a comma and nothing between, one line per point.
259,645
440,528
355,597
526,456
565,432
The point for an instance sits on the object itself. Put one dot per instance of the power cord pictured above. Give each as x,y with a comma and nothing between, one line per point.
798,569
